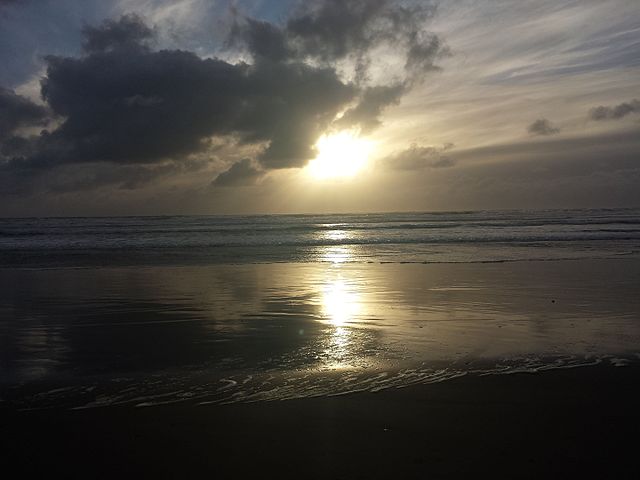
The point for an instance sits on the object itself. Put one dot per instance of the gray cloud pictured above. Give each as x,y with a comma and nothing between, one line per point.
333,30
240,173
74,178
336,29
129,32
542,126
593,170
263,39
618,146
615,112
124,103
417,158
370,106
17,111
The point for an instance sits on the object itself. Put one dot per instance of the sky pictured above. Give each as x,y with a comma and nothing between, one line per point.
157,107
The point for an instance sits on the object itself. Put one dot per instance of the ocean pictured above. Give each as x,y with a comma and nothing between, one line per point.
143,311
490,236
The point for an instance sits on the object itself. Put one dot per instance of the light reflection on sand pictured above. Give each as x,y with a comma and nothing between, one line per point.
340,302
340,306
298,323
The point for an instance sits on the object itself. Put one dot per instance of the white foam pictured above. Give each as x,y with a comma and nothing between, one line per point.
279,385
619,362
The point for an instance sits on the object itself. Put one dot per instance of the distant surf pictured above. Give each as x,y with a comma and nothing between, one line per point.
440,237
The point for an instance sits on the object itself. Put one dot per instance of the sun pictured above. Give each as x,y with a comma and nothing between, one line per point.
340,155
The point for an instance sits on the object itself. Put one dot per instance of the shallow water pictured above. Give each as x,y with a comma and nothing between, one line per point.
145,335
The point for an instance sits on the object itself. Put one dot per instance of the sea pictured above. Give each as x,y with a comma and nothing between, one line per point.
208,310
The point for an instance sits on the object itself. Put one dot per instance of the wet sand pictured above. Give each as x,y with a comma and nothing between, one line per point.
80,337
115,338
570,423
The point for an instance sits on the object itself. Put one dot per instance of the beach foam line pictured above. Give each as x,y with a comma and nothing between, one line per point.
277,385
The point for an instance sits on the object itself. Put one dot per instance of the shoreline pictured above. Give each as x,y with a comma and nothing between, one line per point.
560,423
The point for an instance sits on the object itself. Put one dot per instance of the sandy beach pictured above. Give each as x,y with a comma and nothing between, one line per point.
571,423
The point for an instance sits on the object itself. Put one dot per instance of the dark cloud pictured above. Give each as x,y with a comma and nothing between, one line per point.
542,126
333,30
337,29
263,39
123,103
372,102
418,158
240,173
616,112
137,107
79,177
129,32
17,111
290,105
134,105
424,49
125,177
146,105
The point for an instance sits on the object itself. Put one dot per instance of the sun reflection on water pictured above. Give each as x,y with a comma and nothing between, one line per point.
336,234
340,307
337,254
339,303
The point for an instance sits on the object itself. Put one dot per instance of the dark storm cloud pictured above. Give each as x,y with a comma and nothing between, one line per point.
615,112
542,126
17,111
417,158
123,103
240,173
147,105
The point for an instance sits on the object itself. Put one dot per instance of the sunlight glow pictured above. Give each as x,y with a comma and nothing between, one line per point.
337,254
339,303
340,155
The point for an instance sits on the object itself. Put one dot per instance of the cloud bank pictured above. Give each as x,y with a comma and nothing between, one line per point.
122,102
